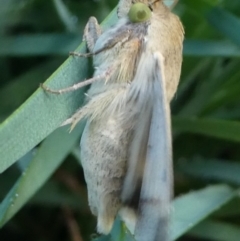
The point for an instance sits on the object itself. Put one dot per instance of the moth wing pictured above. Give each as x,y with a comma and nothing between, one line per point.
150,160
135,166
138,114
156,192
136,160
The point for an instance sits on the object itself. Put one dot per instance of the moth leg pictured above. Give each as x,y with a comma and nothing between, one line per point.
91,33
79,85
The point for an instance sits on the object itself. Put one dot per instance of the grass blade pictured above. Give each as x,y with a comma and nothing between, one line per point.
48,157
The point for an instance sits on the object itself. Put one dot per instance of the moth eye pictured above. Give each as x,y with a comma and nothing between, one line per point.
139,12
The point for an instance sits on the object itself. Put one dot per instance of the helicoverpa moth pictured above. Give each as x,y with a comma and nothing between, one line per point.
126,148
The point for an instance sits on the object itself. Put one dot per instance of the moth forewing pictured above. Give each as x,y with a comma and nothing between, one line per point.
149,159
138,113
156,191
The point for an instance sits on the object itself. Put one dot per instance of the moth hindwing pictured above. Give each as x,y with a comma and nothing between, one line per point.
126,148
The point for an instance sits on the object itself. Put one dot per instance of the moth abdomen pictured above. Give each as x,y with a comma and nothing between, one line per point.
103,154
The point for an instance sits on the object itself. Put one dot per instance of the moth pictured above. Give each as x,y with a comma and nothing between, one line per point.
126,149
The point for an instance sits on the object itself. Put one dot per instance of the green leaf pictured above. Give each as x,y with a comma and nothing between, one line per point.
200,7
228,130
43,112
51,195
209,48
193,207
17,87
226,23
214,230
39,44
65,15
230,210
218,86
48,157
224,171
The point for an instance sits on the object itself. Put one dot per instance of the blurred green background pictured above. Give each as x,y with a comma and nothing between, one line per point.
42,188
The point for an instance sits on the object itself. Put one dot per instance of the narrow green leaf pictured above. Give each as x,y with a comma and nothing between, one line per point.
39,44
50,195
226,23
230,210
214,230
192,208
17,87
189,76
43,112
200,7
212,169
48,157
227,94
207,48
228,130
69,20
214,86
